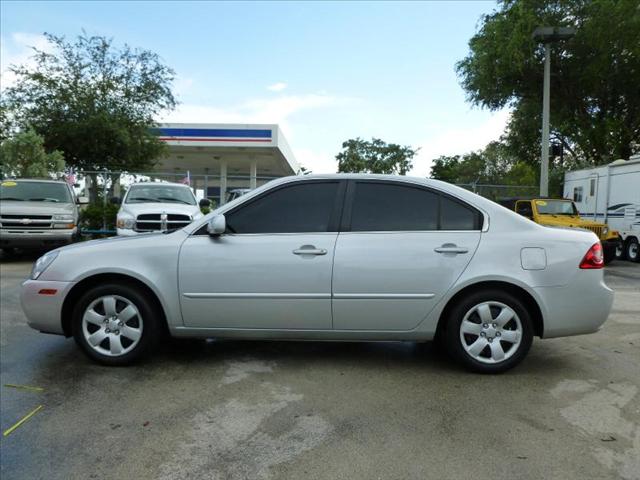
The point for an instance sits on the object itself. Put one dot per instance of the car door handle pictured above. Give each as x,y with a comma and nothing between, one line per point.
309,250
451,248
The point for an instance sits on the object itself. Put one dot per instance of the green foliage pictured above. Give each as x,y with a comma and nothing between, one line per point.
24,155
93,101
595,98
93,215
376,156
491,166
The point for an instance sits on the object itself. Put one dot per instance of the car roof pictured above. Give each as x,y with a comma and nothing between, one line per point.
159,184
39,180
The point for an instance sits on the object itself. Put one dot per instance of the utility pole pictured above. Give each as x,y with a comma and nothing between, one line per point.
548,35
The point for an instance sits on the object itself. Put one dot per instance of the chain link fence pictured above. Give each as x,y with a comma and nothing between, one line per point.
499,192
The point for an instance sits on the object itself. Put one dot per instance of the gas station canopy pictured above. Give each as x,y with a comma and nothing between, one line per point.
221,156
203,148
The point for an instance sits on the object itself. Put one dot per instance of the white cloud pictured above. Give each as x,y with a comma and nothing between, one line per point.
17,50
317,162
277,87
458,140
182,85
259,110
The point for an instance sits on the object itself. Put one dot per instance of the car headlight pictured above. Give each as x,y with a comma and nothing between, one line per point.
42,264
605,230
63,220
66,218
125,223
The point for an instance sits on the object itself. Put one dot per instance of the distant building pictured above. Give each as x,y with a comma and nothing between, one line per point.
217,158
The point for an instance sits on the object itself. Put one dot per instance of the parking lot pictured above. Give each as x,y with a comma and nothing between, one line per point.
236,410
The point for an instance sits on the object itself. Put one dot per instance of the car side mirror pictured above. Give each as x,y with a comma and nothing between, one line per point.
115,200
205,203
217,225
82,200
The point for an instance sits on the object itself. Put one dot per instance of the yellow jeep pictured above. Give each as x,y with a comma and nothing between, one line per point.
556,212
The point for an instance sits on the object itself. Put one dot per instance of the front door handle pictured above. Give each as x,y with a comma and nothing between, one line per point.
451,248
309,250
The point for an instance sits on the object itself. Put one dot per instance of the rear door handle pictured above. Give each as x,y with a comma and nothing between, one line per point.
309,250
451,248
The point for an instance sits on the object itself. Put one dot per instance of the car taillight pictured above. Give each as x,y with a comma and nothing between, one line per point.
593,258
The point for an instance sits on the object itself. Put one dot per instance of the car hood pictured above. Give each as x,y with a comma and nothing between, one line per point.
8,207
567,221
135,209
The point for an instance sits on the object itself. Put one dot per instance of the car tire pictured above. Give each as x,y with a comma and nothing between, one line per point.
489,331
115,324
632,249
620,250
609,254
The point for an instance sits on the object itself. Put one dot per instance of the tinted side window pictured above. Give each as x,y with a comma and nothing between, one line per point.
456,216
305,207
388,207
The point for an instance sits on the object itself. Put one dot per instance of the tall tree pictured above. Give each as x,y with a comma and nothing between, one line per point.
595,98
376,156
24,155
95,102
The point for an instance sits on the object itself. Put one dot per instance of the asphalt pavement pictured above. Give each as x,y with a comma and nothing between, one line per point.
313,410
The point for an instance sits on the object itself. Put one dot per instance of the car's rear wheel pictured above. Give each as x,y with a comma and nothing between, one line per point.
489,331
115,324
632,249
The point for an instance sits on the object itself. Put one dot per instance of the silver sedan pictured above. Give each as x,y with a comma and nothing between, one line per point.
331,257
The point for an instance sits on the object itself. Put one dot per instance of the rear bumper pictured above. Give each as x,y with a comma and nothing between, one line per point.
580,307
37,238
44,312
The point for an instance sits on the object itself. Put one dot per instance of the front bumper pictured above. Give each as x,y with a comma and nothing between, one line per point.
611,244
37,238
579,307
44,311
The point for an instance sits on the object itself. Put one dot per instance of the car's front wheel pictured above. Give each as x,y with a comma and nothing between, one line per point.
489,331
115,324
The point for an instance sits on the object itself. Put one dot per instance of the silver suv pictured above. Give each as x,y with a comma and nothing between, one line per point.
37,214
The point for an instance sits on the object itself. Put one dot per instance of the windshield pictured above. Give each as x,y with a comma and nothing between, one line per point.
20,191
160,194
556,207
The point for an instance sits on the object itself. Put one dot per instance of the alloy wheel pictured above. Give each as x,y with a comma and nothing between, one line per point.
112,325
491,332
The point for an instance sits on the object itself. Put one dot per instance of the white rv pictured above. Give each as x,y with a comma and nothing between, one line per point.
611,194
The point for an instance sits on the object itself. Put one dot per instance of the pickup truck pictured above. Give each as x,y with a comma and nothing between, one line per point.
562,213
157,207
37,214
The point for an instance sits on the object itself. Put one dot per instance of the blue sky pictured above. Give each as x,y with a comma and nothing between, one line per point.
324,71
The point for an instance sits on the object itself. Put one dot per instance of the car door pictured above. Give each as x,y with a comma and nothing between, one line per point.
401,248
272,267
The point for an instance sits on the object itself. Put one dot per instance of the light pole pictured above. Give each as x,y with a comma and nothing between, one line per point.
548,35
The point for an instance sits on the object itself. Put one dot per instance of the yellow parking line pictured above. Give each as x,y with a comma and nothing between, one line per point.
25,387
22,420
